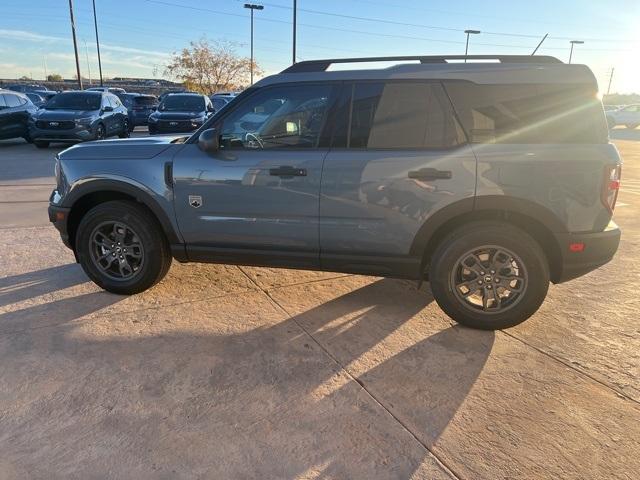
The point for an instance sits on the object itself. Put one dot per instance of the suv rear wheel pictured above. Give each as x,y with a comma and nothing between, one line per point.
489,275
122,248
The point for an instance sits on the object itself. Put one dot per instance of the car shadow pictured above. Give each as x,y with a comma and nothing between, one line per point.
263,402
17,288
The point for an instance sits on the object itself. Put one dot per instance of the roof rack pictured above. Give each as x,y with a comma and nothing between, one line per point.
322,65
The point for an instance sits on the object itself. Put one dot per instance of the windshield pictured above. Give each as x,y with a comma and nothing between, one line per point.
74,101
189,103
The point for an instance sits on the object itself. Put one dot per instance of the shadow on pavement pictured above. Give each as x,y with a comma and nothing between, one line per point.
124,392
18,288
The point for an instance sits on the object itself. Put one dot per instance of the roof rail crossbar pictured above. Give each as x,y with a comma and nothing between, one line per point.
323,65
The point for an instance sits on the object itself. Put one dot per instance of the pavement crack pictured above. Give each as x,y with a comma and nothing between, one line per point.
572,367
447,468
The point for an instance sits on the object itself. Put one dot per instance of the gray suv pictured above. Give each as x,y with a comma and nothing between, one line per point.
488,179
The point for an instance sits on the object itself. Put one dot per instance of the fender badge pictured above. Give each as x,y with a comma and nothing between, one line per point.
195,201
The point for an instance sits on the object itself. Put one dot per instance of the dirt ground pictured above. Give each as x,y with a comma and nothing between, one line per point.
227,372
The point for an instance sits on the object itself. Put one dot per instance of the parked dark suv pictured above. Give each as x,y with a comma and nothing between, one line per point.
77,116
139,107
16,111
180,112
489,179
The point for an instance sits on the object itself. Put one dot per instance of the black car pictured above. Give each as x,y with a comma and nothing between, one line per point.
139,106
76,116
180,112
15,112
27,87
36,98
220,101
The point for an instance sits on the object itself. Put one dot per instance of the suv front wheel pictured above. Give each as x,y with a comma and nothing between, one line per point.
489,275
122,248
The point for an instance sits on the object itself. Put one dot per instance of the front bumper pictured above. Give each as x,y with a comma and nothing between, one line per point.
598,249
59,216
181,126
77,134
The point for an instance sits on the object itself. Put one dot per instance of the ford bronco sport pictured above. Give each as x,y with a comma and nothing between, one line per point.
488,178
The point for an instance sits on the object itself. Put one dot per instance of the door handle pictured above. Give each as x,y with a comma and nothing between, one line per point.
288,171
430,174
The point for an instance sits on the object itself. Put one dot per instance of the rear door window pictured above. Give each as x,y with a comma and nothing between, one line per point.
402,115
12,100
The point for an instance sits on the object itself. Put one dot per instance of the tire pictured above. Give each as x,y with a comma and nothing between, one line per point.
41,144
101,133
126,131
142,230
517,255
631,126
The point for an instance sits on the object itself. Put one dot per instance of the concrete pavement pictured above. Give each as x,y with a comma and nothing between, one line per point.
242,372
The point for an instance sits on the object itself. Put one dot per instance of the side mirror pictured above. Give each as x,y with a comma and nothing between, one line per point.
107,108
209,141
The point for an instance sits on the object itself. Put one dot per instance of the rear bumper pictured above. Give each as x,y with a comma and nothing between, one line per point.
599,248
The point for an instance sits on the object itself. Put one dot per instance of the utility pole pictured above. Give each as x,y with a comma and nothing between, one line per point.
574,42
95,23
252,7
466,48
86,52
295,11
75,43
610,80
541,42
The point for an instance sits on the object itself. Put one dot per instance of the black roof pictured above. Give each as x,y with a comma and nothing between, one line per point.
322,65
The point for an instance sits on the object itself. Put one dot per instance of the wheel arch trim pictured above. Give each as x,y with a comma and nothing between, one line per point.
127,186
488,207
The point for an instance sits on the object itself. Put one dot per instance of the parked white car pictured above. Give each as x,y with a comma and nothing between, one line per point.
628,116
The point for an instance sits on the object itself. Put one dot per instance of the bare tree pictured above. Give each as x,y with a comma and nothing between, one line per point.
208,67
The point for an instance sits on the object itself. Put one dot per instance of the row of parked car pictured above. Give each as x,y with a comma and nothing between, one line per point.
43,116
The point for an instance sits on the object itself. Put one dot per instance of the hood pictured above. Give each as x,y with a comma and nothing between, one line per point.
177,115
128,148
64,114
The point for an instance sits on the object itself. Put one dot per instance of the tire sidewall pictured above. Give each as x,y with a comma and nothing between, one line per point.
466,239
104,132
152,240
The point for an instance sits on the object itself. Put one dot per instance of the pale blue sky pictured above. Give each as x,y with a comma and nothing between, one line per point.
138,35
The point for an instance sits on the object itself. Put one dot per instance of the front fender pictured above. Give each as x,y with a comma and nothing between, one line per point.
159,202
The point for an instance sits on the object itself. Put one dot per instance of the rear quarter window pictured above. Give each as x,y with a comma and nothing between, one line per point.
529,113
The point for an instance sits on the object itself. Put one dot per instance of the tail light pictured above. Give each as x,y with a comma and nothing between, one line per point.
611,186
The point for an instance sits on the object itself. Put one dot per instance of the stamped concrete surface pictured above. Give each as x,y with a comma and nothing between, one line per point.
243,372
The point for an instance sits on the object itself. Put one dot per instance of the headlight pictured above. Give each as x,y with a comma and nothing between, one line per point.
198,120
84,121
153,118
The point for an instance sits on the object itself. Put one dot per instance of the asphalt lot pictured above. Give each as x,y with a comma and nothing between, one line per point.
227,372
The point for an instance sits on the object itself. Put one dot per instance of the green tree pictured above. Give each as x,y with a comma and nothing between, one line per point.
54,77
